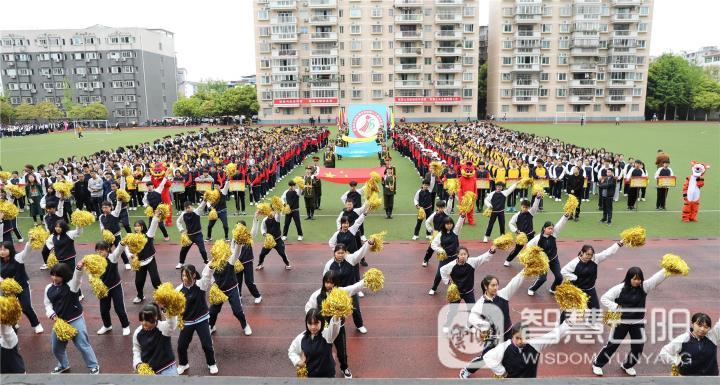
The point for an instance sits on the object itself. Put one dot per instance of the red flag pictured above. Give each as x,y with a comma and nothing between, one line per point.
346,175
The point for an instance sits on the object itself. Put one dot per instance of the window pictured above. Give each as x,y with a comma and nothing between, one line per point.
354,29
505,92
377,28
542,107
377,94
637,91
377,12
635,108
599,92
377,45
356,78
545,60
80,70
128,69
564,28
600,76
356,94
355,45
597,108
377,78
467,76
615,107
506,60
560,108
326,110
61,85
446,109
507,28
469,28
115,69
58,71
561,76
642,27
468,44
263,14
639,76
356,61
506,76
468,60
561,92
543,93
523,108
547,28
563,59
505,108
544,76
13,86
545,44
578,108
117,84
467,93
355,13
377,61
644,10
427,109
507,44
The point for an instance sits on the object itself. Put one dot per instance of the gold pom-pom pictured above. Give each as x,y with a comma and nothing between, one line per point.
134,263
230,169
10,287
9,210
269,242
487,212
212,196
98,287
145,370
10,310
63,330
436,168
149,212
299,182
372,186
126,171
611,318
467,203
52,260
451,186
108,236
172,300
538,189
37,237
301,372
163,211
504,242
216,296
674,370
534,260
378,239
277,204
421,214
15,190
242,235
374,202
453,293
286,210
95,264
263,209
122,195
5,176
337,304
135,242
570,205
63,188
213,215
441,255
239,267
674,264
525,183
521,239
82,218
220,253
185,240
634,236
374,279
570,297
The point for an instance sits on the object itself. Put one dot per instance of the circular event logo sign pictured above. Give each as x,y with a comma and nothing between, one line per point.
366,124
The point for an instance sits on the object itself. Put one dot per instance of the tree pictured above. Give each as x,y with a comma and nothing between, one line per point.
707,101
189,107
95,111
482,90
7,112
669,84
48,111
211,87
74,111
26,111
241,100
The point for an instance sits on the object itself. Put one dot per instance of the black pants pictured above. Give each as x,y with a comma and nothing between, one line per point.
279,247
632,197
419,222
555,268
436,281
480,198
196,240
179,198
295,217
190,194
607,208
518,248
341,348
318,197
161,226
310,206
636,331
115,295
249,277
45,252
235,304
389,203
500,217
255,196
239,201
578,195
593,305
356,314
141,275
468,298
556,189
125,221
26,305
186,334
222,216
96,205
661,197
477,362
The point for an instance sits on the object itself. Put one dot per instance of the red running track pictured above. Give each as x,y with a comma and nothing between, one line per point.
401,319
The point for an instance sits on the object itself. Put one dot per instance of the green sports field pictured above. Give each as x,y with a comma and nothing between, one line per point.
683,142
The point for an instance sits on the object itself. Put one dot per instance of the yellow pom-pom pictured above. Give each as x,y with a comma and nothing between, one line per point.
239,267
277,204
220,253
451,186
441,255
374,279
82,218
9,210
269,241
126,171
15,190
337,304
504,242
538,189
122,195
570,297
172,300
213,215
372,186
145,370
286,210
301,372
98,287
149,212
37,237
216,296
299,182
525,183
163,211
181,324
242,235
570,205
63,188
421,214
487,212
135,242
674,264
135,263
467,203
10,287
10,310
52,260
378,239
95,264
230,169
634,236
212,196
5,176
263,209
108,236
436,168
63,330
453,293
534,260
374,202
674,371
521,239
185,240
611,318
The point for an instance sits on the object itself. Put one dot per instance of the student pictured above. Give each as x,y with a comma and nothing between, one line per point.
12,265
389,191
308,192
607,193
33,191
110,220
574,186
10,359
271,225
239,195
496,201
539,172
423,200
221,208
148,265
522,222
342,263
247,275
557,176
194,288
292,199
448,241
190,221
312,349
461,271
227,282
151,341
634,172
547,241
112,197
695,351
662,192
111,279
62,299
434,224
513,172
153,198
62,240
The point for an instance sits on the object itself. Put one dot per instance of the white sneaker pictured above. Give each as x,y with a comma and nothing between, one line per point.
39,329
43,266
424,264
361,294
82,297
531,293
179,266
428,237
300,238
137,300
506,264
445,330
213,369
22,240
127,266
630,371
362,329
284,238
126,331
597,371
464,374
415,237
182,368
551,291
485,239
213,329
247,330
258,300
104,330
431,292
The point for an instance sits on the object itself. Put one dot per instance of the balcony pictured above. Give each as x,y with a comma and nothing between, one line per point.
625,3
618,99
624,34
621,51
621,67
448,18
284,37
448,51
525,99
285,70
408,68
324,85
620,83
324,69
583,67
447,84
584,52
408,3
448,35
409,18
283,20
409,51
522,67
582,83
322,3
323,20
448,3
285,86
528,19
527,35
581,99
526,83
408,84
448,67
283,4
324,52
284,53
527,51
408,35
625,18
323,36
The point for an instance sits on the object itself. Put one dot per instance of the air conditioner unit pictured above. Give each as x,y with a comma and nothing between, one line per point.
307,20
49,90
32,90
12,76
87,60
48,76
123,59
10,64
83,75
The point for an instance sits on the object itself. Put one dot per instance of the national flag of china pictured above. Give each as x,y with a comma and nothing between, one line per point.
346,175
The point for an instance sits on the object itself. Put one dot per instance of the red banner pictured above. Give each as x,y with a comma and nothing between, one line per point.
279,102
426,99
346,175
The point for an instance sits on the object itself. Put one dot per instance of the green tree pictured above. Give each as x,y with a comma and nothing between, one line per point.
707,101
669,85
189,107
26,111
241,100
48,111
7,112
74,111
210,108
211,87
482,91
95,111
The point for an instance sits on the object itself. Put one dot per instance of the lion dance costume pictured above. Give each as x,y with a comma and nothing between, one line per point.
159,174
468,176
691,191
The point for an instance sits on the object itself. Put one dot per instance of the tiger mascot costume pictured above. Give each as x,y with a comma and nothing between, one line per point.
691,191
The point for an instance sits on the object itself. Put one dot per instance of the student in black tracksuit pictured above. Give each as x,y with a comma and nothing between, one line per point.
662,192
221,208
342,263
496,201
423,200
247,274
112,197
226,279
605,195
633,192
292,199
522,222
546,240
312,349
434,224
695,351
350,222
189,221
12,265
111,279
54,214
271,225
110,221
446,241
152,344
62,241
195,287
10,359
148,265
355,196
153,198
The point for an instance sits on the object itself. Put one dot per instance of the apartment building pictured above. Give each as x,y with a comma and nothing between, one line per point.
704,57
132,71
315,57
567,59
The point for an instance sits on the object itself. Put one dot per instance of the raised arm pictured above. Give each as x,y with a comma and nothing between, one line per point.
339,217
355,257
113,257
224,190
343,197
75,233
20,257
481,259
510,189
459,225
332,330
236,250
559,226
76,280
512,287
154,223
354,288
201,207
551,338
205,278
654,281
356,226
605,254
166,327
535,207
117,210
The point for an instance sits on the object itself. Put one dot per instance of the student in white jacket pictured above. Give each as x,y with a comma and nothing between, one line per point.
312,349
694,352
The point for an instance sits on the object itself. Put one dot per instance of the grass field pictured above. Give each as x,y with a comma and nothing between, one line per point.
683,142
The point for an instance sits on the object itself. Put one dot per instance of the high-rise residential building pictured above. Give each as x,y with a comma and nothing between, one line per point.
705,56
132,71
567,59
419,57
